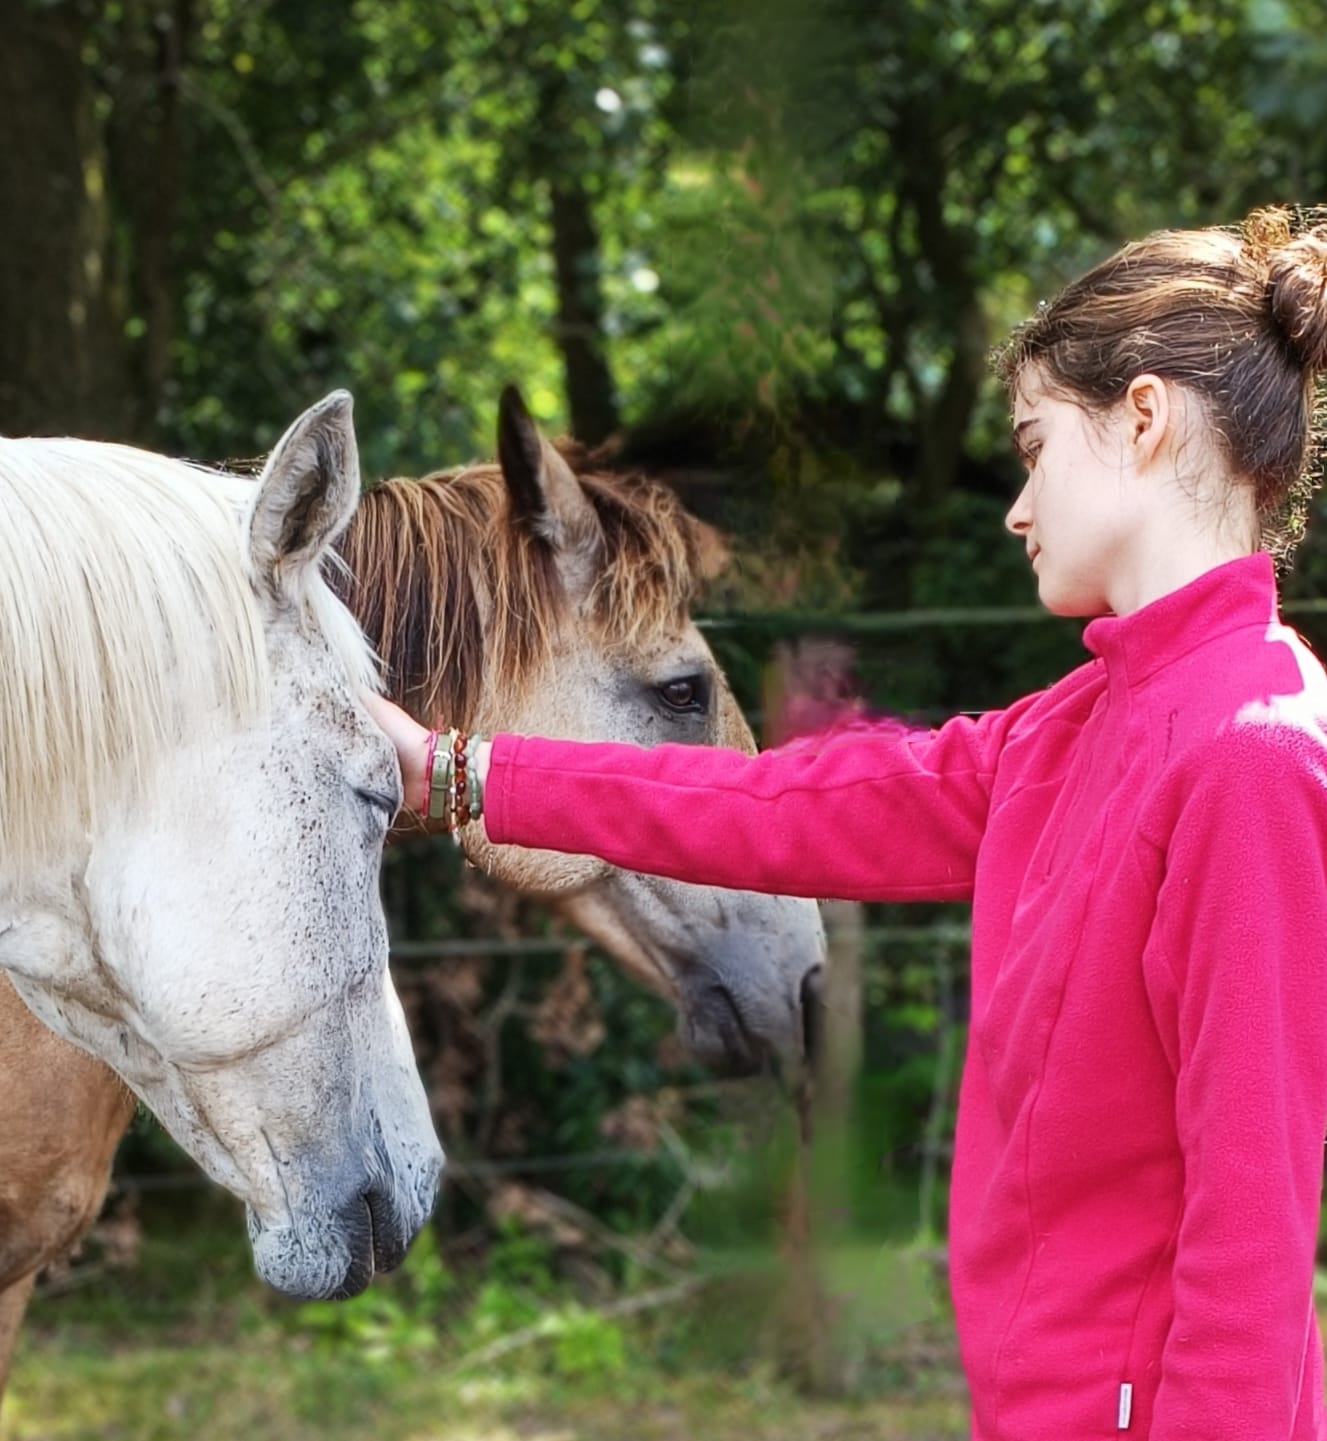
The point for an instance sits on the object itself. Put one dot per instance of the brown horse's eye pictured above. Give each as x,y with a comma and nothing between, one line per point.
687,693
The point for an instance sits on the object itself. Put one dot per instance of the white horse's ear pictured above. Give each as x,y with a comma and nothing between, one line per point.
307,494
545,496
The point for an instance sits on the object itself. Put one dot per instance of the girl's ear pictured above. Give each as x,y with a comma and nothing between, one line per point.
1147,415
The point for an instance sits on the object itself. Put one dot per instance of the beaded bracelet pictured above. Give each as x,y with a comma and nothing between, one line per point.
454,794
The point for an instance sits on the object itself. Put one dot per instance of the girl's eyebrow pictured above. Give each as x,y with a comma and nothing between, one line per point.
1017,436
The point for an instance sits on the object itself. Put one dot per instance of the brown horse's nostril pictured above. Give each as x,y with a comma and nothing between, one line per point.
813,1001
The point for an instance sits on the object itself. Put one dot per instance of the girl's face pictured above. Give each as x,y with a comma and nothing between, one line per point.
1081,510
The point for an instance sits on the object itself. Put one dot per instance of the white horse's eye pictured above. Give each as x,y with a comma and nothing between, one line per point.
380,801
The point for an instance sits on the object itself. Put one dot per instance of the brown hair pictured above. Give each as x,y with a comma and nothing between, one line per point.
1237,316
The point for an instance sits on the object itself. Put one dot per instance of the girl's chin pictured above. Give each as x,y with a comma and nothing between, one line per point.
1065,603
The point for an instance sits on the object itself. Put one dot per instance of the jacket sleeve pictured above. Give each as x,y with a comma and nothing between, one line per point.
1242,922
871,812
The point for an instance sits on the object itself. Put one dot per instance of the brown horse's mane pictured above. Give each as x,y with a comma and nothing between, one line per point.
447,587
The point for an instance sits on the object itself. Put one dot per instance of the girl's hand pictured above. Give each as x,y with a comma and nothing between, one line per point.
412,745
412,749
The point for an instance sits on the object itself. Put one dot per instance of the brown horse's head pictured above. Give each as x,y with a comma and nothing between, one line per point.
525,596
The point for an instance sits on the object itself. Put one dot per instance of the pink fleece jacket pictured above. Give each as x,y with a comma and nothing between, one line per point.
1139,1157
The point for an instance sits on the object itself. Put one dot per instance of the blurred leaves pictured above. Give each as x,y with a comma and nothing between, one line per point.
793,226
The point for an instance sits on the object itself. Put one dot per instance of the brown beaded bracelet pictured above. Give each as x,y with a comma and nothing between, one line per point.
461,792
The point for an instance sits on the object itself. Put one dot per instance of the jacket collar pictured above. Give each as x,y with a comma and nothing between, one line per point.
1239,593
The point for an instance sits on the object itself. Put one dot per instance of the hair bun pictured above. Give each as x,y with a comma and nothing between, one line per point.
1297,290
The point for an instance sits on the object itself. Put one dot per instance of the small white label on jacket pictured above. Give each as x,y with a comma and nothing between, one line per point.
1126,1406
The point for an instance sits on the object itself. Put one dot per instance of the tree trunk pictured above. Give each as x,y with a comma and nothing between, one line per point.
943,418
146,146
590,397
63,361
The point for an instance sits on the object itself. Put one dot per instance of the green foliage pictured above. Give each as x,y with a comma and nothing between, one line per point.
396,1321
588,1347
425,1312
803,221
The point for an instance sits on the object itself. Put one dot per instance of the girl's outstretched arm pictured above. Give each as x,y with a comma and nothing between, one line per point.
871,811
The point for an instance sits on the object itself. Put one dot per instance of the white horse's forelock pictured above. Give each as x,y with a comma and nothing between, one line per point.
128,622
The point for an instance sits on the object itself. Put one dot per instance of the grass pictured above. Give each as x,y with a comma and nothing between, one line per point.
186,1344
255,1390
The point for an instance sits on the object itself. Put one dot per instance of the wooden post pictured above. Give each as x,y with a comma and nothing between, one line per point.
841,1058
809,1344
805,687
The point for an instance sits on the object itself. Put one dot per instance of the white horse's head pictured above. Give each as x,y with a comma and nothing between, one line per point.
192,810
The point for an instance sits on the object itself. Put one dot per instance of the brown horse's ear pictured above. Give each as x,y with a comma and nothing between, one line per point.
544,494
713,556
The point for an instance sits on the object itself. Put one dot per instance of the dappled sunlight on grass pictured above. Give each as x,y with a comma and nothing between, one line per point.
253,1391
242,1366
188,1347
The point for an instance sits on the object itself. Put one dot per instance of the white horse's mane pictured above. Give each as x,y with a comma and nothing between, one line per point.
129,620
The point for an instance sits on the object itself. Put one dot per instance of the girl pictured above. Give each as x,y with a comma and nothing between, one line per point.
1139,1156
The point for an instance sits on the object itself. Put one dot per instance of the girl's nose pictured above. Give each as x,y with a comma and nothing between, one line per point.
1019,519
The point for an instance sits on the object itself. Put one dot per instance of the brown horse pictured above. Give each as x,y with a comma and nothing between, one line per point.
523,596
62,1118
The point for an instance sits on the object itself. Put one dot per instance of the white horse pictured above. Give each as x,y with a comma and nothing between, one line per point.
192,810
